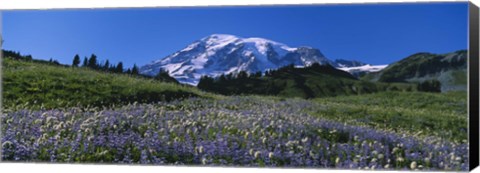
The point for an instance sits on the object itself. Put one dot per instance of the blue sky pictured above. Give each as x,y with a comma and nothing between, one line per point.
373,33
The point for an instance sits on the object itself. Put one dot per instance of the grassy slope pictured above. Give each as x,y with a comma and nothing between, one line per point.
449,69
31,85
432,114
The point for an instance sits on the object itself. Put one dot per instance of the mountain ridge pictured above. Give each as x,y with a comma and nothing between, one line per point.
450,69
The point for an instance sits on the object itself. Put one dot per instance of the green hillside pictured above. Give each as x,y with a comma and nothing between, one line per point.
449,69
309,82
28,84
415,113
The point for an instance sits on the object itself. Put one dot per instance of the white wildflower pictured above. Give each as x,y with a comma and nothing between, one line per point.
50,119
427,160
394,150
37,121
257,154
6,144
57,137
270,155
413,165
355,138
458,159
304,140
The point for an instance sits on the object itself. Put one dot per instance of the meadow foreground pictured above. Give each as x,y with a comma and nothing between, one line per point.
241,131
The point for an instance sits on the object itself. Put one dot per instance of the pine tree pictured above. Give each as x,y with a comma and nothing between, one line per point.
106,66
135,69
258,74
242,75
85,62
92,62
76,61
206,83
119,68
430,86
28,57
112,68
222,79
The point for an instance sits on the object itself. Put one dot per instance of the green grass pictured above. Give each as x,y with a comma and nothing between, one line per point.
35,85
443,115
459,77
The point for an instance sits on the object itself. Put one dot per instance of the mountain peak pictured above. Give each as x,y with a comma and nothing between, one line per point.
219,38
225,39
219,54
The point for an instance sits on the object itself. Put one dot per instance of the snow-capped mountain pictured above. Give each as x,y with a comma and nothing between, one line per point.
342,63
222,54
363,69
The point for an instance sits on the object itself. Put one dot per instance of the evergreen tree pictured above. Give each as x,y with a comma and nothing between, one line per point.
258,74
92,62
76,61
119,68
267,73
242,75
206,83
112,68
229,76
163,76
128,71
106,66
315,65
85,62
135,69
29,58
222,78
430,86
56,62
